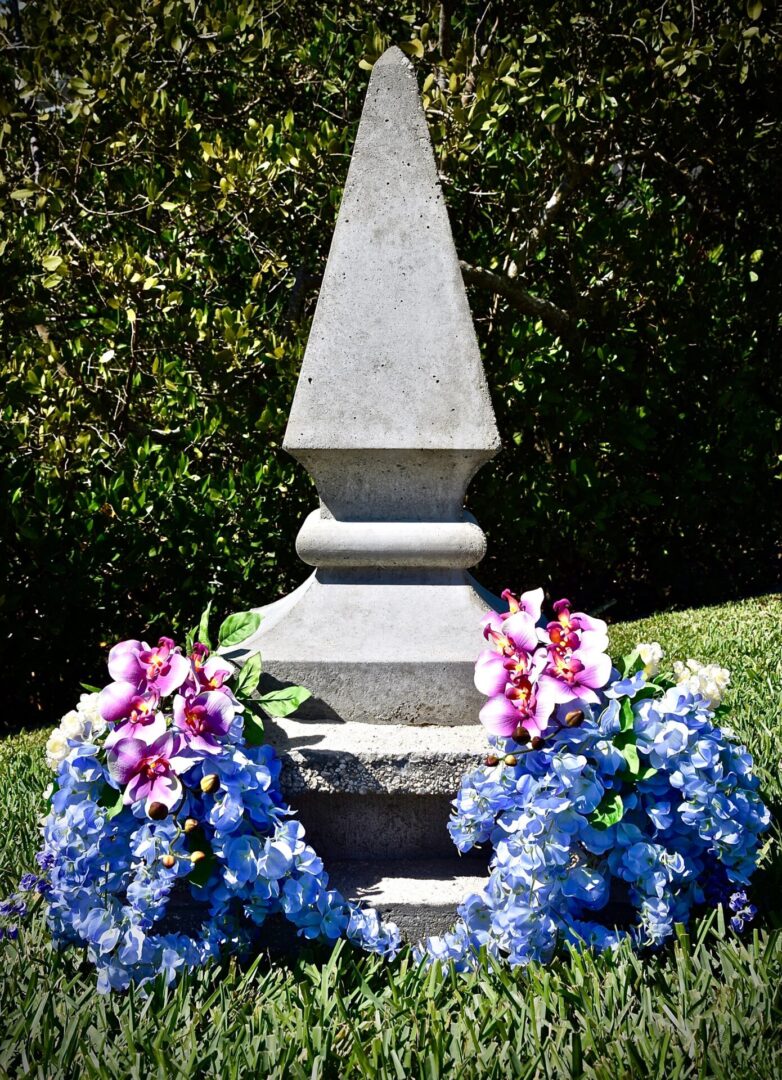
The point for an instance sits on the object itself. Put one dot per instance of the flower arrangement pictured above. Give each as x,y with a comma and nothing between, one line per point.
165,791
613,802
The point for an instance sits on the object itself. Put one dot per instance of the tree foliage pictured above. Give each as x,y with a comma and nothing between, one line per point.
171,173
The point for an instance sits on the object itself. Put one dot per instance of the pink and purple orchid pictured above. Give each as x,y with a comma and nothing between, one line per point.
150,770
203,719
527,671
144,756
163,668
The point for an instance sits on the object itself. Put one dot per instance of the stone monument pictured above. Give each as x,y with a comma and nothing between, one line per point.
392,418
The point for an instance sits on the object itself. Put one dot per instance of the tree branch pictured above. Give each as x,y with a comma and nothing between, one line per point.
444,30
578,174
554,318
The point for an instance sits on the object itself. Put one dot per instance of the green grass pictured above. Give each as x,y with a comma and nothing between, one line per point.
710,1006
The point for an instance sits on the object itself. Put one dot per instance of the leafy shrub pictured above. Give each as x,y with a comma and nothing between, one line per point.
171,174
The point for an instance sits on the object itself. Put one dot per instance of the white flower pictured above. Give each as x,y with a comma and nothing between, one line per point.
72,726
709,680
88,709
57,748
651,654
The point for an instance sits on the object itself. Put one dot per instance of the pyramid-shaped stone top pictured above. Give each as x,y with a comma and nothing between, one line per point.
392,360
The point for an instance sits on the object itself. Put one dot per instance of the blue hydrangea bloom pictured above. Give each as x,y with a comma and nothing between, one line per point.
109,887
685,833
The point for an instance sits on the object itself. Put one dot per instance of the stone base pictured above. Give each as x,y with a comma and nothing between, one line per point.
375,800
397,647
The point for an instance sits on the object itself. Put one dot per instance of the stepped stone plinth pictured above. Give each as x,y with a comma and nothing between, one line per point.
392,418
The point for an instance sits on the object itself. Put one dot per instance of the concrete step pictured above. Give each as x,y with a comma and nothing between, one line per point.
420,895
372,791
376,826
359,759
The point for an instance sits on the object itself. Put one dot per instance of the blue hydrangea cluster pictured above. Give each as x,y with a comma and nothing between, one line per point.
122,884
630,815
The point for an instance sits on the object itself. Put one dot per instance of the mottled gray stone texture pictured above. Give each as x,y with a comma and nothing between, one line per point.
359,759
392,418
392,361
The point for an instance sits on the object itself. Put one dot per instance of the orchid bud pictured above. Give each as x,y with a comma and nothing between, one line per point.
190,825
168,861
521,735
197,857
158,811
210,783
492,759
511,759
574,718
536,742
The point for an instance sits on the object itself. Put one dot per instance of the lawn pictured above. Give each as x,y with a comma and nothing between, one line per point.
710,1005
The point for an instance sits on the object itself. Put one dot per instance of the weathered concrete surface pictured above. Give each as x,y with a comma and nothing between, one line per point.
375,791
392,360
359,759
383,647
376,826
392,417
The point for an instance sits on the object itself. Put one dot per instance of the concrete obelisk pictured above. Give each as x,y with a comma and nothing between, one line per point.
392,418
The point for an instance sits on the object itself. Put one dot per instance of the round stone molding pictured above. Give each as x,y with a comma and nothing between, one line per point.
327,542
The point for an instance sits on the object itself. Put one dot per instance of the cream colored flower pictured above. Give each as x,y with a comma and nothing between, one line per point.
72,725
57,748
709,680
88,709
651,654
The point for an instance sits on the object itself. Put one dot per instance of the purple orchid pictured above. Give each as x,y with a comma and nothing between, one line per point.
149,770
124,701
529,603
571,631
526,704
491,675
203,719
138,713
493,671
163,667
576,673
510,634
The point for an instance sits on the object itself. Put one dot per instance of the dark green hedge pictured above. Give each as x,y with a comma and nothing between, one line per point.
171,172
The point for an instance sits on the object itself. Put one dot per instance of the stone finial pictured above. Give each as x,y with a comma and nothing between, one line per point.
392,418
392,362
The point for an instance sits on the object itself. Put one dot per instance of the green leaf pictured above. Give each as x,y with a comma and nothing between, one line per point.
285,701
609,812
112,800
52,262
754,9
413,48
249,675
552,114
22,193
646,772
626,717
237,628
631,663
90,689
50,797
253,729
202,633
630,754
